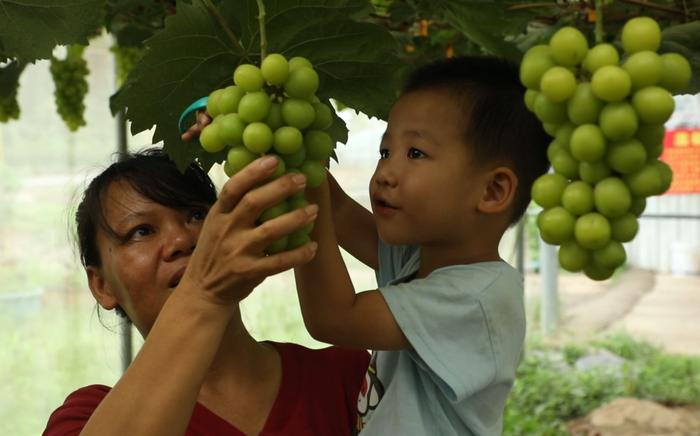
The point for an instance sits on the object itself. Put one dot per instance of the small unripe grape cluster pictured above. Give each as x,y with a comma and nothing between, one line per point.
273,109
606,112
125,58
71,86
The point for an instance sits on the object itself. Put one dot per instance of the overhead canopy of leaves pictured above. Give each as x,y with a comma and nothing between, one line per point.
30,29
195,54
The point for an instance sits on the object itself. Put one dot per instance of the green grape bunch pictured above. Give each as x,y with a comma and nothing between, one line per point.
70,80
125,58
273,109
606,112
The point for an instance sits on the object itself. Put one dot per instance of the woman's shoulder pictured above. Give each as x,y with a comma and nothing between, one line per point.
326,357
75,410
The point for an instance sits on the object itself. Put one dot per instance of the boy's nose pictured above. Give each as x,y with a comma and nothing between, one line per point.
385,174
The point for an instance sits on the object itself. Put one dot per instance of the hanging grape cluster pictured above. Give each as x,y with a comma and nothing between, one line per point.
9,107
606,113
125,59
71,86
273,109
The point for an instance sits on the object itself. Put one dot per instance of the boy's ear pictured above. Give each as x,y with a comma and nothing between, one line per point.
499,192
100,289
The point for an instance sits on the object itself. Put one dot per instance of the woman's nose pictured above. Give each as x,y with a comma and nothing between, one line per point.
180,240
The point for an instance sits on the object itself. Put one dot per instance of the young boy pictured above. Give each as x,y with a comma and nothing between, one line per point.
447,323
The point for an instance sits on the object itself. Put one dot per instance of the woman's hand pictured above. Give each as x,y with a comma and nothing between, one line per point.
229,260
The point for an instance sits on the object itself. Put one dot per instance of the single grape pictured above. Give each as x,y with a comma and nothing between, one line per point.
298,113
295,159
611,197
638,206
548,189
600,55
257,137
572,257
274,116
229,99
275,211
299,61
554,148
231,129
275,69
556,225
577,198
611,83
587,143
563,135
618,121
653,104
565,164
651,135
592,231
238,158
324,116
213,103
536,61
315,173
254,106
248,77
319,145
549,111
558,84
583,107
639,34
551,128
530,96
665,173
287,140
626,156
675,72
611,256
593,172
625,227
301,83
644,68
569,46
645,182
210,138
597,272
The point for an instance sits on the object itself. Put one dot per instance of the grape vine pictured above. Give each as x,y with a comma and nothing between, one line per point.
69,77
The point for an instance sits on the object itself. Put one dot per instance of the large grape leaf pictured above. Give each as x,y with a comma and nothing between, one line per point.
194,54
685,39
30,29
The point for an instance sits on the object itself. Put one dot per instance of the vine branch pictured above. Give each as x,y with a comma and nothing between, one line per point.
599,30
656,6
222,22
263,32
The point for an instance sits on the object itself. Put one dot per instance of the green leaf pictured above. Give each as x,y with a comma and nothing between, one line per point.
30,29
684,39
194,55
9,78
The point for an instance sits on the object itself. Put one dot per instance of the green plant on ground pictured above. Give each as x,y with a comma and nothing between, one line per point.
549,390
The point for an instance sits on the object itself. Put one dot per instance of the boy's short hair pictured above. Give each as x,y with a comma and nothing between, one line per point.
497,125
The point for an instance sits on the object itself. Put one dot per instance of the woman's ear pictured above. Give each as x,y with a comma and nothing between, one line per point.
499,192
100,289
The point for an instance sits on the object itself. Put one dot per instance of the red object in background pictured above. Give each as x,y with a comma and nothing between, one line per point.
682,153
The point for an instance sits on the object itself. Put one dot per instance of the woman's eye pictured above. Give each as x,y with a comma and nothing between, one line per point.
198,214
139,232
383,153
414,153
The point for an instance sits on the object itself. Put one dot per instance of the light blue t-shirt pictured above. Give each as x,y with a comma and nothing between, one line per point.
466,326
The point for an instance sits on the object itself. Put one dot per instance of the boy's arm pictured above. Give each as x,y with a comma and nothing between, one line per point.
354,226
332,312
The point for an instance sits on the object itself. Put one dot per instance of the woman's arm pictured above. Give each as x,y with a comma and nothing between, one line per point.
157,394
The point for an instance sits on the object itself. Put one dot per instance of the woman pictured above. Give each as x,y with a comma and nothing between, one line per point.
159,247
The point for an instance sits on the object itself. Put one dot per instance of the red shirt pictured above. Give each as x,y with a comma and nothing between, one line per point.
317,396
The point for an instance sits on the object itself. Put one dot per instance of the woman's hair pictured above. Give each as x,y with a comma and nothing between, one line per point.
152,174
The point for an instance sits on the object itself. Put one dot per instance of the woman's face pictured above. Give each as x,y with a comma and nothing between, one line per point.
143,262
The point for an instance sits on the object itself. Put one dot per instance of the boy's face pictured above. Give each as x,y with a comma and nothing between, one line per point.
425,188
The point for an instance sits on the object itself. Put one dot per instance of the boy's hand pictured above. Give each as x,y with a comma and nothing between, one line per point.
203,120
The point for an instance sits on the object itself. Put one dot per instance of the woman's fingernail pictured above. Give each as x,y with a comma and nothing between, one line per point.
313,245
311,210
268,162
299,179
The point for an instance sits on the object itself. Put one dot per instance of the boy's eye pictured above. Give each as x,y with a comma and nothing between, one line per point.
414,153
383,153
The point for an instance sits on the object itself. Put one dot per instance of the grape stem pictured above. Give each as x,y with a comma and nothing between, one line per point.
599,31
217,16
263,33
